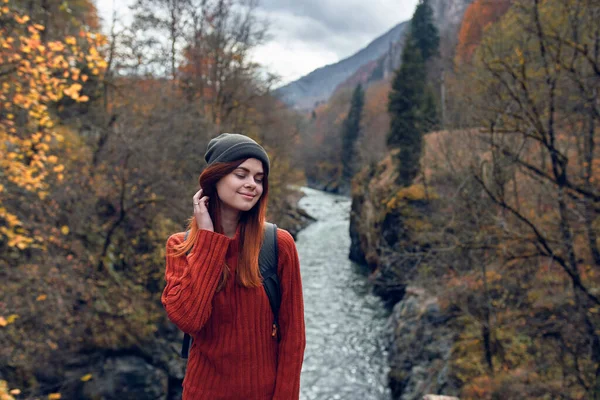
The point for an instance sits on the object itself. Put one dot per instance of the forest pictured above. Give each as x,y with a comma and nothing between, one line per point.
102,140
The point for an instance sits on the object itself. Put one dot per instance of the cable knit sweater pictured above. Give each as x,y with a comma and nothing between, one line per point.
233,354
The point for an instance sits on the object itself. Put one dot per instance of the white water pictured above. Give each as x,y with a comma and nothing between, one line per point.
345,354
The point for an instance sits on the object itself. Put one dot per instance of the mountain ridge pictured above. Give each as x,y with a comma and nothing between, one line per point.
319,84
380,57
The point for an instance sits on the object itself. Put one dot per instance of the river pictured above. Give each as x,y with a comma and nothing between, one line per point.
346,355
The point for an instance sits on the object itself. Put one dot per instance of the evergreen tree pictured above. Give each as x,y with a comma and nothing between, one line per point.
405,100
424,31
412,105
350,133
429,116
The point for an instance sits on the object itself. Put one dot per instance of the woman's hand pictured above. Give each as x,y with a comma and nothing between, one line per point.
201,212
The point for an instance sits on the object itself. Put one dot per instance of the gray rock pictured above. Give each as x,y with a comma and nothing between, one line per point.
127,377
289,215
420,349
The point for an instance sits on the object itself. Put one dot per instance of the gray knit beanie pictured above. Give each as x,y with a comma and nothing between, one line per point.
232,146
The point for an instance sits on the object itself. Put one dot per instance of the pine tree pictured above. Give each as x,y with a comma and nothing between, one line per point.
424,31
350,133
405,100
429,116
412,105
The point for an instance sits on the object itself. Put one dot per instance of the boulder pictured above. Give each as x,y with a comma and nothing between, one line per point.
128,377
421,346
291,216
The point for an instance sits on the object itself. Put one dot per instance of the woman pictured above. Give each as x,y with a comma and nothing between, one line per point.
214,290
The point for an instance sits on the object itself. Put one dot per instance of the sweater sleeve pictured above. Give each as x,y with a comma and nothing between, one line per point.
291,320
192,280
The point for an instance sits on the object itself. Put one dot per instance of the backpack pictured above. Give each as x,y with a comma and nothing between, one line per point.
267,262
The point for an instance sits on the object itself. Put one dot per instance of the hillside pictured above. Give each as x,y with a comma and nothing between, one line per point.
319,84
491,253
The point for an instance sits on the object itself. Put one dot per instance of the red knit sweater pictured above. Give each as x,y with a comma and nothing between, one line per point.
233,355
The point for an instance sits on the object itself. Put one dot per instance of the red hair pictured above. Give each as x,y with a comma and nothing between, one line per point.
251,225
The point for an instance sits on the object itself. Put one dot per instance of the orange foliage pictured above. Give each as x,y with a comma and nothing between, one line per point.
478,16
375,122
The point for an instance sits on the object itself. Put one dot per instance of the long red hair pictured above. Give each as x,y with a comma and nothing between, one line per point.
251,225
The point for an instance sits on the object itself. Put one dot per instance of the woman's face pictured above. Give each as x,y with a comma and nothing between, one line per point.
241,189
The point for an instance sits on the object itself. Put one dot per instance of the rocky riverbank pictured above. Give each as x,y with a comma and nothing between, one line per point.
385,226
421,347
294,218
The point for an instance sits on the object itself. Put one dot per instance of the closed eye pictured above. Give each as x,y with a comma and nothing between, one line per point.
257,180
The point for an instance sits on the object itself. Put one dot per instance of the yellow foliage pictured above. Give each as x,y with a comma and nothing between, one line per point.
40,78
5,394
9,320
86,377
414,192
54,396
22,19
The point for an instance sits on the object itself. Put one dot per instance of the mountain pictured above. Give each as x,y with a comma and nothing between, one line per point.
448,16
319,84
375,62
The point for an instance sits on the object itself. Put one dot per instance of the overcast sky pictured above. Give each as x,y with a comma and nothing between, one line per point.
308,34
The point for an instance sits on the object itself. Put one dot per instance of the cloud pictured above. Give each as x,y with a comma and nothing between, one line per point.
344,16
293,59
308,34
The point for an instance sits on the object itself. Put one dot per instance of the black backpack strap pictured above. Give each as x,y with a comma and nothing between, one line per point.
187,339
185,346
267,261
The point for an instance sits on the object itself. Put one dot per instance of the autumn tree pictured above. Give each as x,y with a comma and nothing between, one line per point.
534,88
204,46
217,70
479,15
157,20
351,130
375,121
34,77
60,18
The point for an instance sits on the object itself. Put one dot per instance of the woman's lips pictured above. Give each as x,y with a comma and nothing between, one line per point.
247,196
